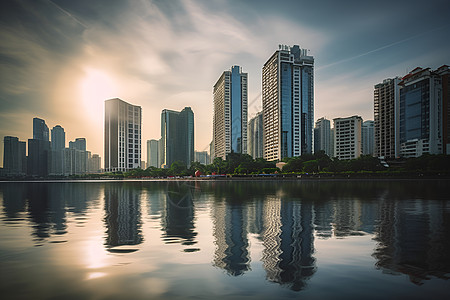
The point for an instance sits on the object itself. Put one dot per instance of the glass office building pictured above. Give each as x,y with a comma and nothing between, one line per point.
177,137
288,103
230,113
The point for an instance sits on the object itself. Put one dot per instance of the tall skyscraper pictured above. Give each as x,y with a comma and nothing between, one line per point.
38,149
386,98
122,135
421,113
153,154
56,157
288,103
367,138
14,156
256,136
230,113
40,130
322,137
177,137
347,137
58,138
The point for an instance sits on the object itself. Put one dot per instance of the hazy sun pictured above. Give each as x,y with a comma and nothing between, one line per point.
96,87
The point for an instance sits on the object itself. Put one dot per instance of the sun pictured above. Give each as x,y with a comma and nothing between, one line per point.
96,87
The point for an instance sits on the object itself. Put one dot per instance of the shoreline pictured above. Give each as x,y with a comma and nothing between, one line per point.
299,178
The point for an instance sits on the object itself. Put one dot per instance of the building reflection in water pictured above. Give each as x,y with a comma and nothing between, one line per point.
411,234
231,254
288,241
122,217
178,218
46,205
413,239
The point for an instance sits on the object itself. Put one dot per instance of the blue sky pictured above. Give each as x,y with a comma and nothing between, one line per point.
60,59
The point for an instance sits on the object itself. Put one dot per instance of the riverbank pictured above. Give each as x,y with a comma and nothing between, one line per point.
262,177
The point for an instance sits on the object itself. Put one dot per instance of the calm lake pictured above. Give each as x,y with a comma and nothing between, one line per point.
225,240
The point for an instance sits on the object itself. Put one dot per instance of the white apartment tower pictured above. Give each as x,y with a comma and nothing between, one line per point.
347,137
288,103
122,135
323,136
230,113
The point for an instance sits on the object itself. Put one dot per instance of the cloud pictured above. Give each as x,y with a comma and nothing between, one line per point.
169,54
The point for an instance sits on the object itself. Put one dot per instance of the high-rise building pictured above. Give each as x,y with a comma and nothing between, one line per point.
211,152
288,103
56,154
368,138
256,136
14,156
177,137
79,144
122,135
387,118
38,149
347,137
40,130
421,113
58,138
322,137
444,73
95,163
153,149
230,113
201,157
80,159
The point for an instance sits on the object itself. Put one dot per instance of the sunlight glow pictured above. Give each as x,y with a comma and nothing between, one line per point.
95,275
96,87
95,254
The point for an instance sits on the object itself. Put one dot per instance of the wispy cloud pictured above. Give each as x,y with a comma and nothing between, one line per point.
169,54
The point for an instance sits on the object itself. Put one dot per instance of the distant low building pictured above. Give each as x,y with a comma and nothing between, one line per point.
323,137
347,137
14,157
256,136
202,157
367,138
153,153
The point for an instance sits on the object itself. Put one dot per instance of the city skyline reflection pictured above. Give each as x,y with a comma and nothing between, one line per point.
271,227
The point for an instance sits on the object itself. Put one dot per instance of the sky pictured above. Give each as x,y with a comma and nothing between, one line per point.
61,59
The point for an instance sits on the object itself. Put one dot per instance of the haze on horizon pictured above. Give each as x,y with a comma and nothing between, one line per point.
61,59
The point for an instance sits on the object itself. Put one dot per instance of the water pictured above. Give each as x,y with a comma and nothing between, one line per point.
225,240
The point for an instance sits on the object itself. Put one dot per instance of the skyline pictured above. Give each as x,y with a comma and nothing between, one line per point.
60,60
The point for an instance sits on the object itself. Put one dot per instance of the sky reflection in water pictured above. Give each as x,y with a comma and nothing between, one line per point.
257,239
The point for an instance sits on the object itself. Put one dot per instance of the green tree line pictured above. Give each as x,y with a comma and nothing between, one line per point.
309,164
317,163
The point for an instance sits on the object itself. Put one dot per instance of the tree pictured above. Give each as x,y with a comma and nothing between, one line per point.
178,168
219,165
311,166
197,166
